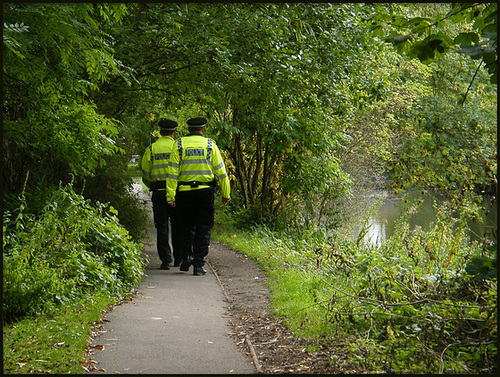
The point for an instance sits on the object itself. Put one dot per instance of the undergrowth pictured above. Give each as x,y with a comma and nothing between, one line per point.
422,302
69,250
61,267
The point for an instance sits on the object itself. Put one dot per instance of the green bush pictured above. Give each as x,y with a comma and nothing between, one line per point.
111,184
71,249
243,218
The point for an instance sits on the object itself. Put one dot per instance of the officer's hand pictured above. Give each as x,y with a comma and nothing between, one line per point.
171,203
225,200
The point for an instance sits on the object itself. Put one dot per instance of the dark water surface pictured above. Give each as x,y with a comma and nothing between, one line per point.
382,221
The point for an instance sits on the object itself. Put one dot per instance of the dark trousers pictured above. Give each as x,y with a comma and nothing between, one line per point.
196,218
162,212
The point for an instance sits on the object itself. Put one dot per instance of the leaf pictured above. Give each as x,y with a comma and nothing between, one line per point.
377,30
418,24
482,268
395,39
466,38
474,52
491,17
422,51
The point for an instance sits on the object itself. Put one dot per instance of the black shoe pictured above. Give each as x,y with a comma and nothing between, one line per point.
184,266
177,263
199,271
165,266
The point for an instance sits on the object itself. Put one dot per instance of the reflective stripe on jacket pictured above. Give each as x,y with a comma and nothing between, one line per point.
196,159
155,160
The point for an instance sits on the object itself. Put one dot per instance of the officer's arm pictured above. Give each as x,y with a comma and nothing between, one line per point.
221,174
146,166
172,174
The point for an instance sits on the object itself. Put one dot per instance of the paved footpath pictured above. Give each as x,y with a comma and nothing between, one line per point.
176,324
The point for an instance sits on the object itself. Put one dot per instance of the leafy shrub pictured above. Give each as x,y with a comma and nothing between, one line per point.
70,250
33,199
111,184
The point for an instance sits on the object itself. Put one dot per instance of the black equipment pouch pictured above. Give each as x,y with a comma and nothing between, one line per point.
158,185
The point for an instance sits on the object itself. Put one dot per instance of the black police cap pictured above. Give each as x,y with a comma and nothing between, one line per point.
196,122
167,124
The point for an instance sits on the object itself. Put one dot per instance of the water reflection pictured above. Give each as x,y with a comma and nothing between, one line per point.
382,221
376,232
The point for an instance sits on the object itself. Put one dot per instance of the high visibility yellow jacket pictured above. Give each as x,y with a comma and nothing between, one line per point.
155,161
194,163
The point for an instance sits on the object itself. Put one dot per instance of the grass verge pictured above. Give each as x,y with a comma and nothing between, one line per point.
290,281
53,344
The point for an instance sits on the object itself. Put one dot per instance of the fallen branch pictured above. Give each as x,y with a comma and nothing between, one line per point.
220,283
254,355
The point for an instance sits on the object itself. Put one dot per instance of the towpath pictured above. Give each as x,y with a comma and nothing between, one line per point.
175,324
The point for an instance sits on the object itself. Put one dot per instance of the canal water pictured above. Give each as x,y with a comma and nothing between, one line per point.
382,210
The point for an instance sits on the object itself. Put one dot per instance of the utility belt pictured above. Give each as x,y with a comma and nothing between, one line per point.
158,186
194,184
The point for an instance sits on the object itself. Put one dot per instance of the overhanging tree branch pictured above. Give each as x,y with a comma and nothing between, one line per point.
477,70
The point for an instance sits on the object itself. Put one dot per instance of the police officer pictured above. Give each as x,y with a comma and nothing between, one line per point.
194,166
154,172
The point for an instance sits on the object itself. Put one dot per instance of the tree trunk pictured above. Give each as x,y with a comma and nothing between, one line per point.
239,163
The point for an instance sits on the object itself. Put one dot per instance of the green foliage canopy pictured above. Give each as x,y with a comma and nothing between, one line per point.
54,56
283,85
276,80
426,35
